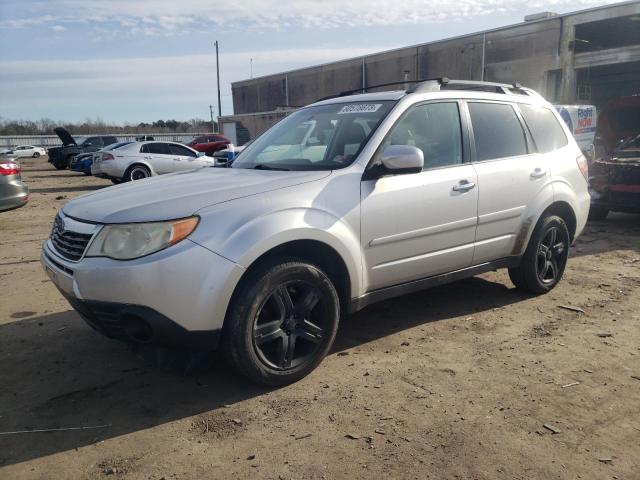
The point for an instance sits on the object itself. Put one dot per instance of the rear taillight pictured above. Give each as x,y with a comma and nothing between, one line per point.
107,156
583,166
9,168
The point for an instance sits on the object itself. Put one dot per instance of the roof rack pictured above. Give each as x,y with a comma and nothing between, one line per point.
438,84
444,83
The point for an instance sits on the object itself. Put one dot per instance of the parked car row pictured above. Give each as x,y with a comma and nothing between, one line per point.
23,151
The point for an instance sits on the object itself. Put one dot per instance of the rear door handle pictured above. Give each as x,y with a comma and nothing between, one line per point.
463,186
538,172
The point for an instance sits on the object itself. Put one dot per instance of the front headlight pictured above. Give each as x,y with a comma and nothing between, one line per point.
133,240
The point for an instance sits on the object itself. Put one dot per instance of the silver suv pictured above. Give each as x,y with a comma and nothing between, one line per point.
346,202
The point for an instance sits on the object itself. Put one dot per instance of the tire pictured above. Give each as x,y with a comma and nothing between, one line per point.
60,164
281,323
545,258
136,172
36,154
598,213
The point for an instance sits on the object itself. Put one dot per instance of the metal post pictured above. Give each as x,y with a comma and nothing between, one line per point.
213,129
286,88
364,76
218,78
484,41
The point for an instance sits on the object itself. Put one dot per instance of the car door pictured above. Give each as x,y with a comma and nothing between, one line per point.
510,177
159,157
186,159
423,224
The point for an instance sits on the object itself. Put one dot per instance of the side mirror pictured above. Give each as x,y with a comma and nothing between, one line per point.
399,159
200,154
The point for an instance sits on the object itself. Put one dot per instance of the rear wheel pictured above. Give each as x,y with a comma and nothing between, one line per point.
545,259
36,154
598,213
136,172
282,322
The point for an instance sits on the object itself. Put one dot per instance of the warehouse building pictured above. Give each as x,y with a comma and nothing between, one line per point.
588,57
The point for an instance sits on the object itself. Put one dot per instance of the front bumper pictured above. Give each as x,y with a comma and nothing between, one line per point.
176,297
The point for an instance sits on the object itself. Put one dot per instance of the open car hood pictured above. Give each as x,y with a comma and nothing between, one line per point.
64,136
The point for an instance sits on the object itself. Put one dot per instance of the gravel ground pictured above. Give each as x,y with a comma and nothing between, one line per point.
470,380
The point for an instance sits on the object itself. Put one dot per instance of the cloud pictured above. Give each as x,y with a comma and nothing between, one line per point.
58,28
168,17
108,88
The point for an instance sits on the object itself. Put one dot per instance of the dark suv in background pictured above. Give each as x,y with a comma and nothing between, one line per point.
60,157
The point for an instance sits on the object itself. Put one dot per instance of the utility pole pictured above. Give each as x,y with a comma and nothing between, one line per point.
212,124
251,68
218,78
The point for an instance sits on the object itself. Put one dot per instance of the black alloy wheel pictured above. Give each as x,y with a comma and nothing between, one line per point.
282,321
543,263
552,256
288,327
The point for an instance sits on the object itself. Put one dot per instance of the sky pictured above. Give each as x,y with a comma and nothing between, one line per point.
143,60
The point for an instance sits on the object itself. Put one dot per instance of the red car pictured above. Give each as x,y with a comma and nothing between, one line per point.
208,143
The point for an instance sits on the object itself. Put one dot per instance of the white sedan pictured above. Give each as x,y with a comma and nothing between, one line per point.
26,151
140,160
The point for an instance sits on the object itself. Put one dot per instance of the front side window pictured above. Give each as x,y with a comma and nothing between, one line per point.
93,142
324,137
547,133
497,131
435,129
180,150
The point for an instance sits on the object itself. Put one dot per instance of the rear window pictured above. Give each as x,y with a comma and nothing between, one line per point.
497,131
543,125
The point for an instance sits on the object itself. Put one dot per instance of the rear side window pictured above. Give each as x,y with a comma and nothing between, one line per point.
497,131
158,148
543,125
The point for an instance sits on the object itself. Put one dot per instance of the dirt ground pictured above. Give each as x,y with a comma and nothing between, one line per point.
454,382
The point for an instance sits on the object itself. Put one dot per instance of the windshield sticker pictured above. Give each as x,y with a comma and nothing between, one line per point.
360,108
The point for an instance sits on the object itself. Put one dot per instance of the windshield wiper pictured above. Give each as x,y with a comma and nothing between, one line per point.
264,166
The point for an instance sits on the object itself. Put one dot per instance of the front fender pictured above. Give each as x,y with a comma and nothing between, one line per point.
250,239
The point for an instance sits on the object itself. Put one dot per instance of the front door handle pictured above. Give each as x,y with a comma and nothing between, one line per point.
463,186
538,172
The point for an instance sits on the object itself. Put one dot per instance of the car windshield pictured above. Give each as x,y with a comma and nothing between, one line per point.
324,137
80,141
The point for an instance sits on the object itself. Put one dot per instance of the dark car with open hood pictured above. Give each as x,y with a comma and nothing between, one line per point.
60,157
614,177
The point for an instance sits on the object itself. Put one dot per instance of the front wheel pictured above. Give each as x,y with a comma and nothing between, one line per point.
282,322
545,259
137,172
36,154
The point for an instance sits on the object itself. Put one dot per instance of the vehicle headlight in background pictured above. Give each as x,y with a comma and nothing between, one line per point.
133,240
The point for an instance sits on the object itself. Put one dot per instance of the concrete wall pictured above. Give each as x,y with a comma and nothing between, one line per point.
536,54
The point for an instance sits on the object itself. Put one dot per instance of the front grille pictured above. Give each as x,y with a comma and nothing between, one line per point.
70,245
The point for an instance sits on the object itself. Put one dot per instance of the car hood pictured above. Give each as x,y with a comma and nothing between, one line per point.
181,194
64,136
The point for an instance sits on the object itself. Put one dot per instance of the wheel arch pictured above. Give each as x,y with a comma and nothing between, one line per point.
137,163
313,251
